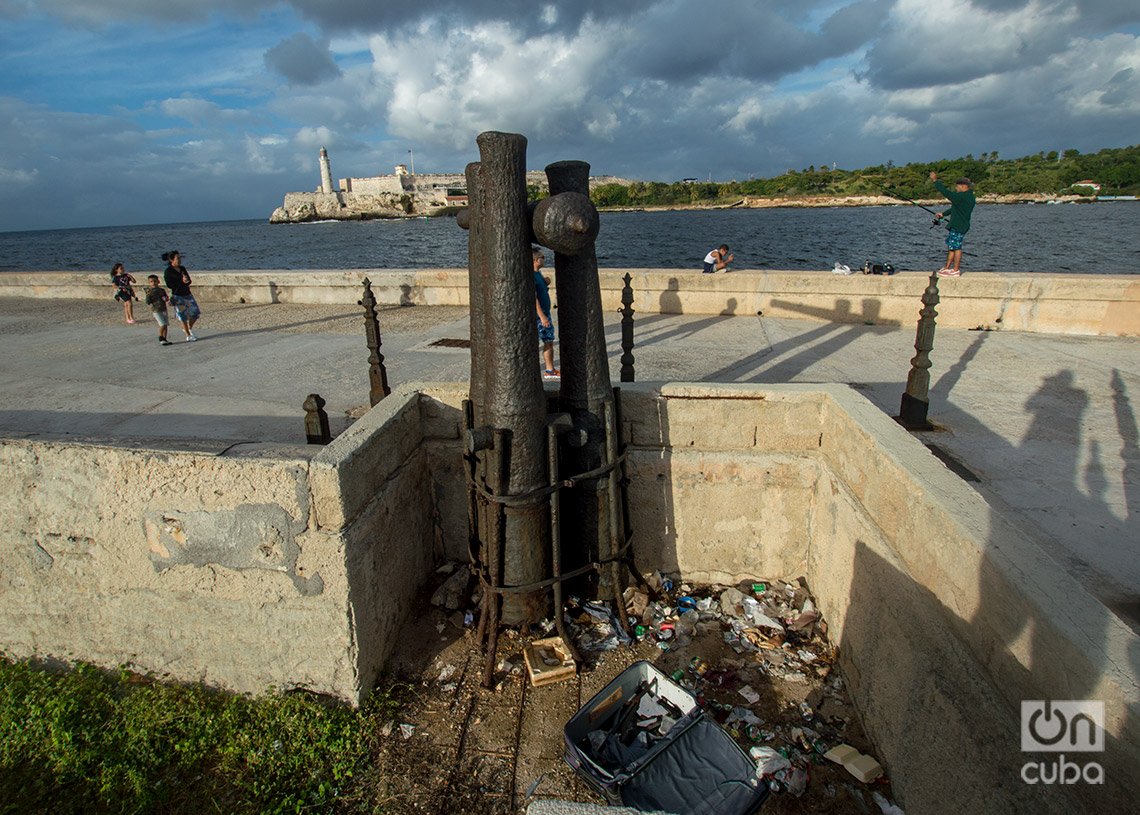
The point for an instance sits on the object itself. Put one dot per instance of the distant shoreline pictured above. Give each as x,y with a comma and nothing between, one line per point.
823,201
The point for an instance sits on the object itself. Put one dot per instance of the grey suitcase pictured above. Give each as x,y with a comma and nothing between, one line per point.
695,768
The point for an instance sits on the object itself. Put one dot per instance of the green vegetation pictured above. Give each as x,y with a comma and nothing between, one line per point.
1117,170
89,741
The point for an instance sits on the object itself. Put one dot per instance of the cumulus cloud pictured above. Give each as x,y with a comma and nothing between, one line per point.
953,41
302,60
448,85
655,89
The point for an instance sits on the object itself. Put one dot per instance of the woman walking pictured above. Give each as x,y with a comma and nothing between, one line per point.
177,279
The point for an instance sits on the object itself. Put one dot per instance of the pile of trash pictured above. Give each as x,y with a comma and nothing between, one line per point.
754,656
770,617
773,636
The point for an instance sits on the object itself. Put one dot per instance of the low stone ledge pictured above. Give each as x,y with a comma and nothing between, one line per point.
1048,303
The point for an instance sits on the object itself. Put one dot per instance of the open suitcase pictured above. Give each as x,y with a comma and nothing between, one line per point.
644,742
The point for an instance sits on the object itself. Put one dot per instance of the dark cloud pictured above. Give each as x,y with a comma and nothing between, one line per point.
856,24
527,15
302,61
684,43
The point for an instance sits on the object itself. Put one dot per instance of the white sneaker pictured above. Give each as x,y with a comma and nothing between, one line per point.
191,338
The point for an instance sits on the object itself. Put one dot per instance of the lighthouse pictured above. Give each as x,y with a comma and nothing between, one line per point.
326,173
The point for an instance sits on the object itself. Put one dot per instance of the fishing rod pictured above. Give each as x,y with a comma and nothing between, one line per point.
937,215
938,218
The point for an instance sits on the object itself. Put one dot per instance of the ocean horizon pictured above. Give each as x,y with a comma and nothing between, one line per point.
1098,238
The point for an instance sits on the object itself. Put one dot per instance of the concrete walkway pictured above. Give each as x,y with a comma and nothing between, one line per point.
1045,427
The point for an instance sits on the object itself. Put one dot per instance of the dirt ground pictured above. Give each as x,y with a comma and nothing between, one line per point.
462,748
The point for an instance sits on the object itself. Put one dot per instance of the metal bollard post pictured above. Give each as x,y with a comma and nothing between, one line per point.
377,374
316,420
627,329
916,399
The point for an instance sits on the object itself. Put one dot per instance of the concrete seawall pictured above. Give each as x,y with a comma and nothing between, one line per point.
254,567
1107,305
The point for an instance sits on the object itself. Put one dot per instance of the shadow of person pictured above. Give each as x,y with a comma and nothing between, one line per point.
1057,397
729,308
670,301
1041,636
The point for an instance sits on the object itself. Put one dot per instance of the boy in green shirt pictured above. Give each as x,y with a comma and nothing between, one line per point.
961,205
156,298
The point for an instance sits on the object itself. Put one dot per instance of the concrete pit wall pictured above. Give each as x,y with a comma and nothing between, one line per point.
1048,303
252,568
265,567
945,616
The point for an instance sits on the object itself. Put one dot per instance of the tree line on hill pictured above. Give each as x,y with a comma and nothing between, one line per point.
1116,170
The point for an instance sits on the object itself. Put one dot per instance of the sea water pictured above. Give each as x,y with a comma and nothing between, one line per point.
1098,238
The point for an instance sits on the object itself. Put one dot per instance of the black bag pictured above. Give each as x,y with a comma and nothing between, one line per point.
878,268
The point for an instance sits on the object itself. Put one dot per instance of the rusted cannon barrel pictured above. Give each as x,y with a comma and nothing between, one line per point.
506,389
585,386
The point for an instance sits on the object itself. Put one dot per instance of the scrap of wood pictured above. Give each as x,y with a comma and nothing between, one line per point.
548,661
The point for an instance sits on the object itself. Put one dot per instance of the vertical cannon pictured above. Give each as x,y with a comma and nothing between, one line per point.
506,390
567,223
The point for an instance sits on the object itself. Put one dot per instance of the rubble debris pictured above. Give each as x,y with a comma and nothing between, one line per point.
452,592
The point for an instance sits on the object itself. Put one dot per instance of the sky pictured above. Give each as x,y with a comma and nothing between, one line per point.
116,112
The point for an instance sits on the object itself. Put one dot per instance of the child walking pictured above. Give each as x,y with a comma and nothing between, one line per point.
124,291
961,206
156,298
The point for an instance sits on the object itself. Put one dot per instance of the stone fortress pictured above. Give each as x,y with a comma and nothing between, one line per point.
402,194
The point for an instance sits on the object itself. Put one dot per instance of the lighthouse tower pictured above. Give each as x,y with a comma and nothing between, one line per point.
326,173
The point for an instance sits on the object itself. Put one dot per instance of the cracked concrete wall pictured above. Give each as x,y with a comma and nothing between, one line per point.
251,569
191,565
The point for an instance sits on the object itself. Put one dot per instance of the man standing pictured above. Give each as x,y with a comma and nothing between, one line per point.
545,323
961,205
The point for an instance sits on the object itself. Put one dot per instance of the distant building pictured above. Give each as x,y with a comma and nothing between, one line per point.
400,195
1088,183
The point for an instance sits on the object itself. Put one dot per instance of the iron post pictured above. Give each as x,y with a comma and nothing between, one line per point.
627,329
916,398
377,374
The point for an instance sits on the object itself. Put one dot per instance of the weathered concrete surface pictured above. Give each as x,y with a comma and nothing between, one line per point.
1046,425
946,615
1048,303
250,567
946,612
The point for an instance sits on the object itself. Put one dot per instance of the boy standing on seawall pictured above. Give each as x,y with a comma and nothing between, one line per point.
717,260
545,323
961,205
156,298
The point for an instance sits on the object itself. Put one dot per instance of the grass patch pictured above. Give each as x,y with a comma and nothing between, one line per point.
92,741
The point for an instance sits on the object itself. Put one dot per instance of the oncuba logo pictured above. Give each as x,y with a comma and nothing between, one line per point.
1068,726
